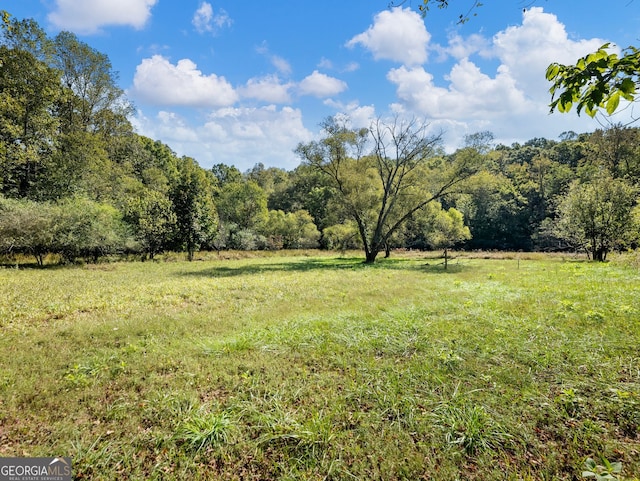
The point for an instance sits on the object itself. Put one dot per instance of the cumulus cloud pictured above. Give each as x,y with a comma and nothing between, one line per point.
267,89
233,136
159,82
510,100
321,85
528,49
88,16
359,115
470,94
398,35
205,21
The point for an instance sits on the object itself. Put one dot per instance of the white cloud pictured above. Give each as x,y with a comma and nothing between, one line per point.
88,16
359,115
398,35
325,63
351,67
267,89
278,62
232,136
176,127
281,64
159,82
513,100
528,49
204,20
461,47
321,85
471,94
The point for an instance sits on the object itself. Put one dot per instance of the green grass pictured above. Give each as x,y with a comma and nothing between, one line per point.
318,366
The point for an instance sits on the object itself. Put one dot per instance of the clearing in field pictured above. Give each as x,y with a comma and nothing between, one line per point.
322,367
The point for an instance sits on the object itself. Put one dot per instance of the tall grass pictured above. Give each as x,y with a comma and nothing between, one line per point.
322,367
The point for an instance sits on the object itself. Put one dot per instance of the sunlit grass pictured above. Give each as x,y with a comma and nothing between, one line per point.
322,367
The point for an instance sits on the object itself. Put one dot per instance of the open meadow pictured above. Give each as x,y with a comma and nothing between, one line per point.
313,366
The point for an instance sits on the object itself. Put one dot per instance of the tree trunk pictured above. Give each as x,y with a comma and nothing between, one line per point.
446,258
600,254
371,257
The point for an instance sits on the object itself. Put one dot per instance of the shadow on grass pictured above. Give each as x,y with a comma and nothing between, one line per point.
34,266
315,264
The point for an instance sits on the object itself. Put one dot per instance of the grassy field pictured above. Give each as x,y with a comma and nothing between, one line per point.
319,367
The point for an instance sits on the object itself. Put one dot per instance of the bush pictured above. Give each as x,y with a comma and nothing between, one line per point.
342,237
291,230
26,227
88,229
73,228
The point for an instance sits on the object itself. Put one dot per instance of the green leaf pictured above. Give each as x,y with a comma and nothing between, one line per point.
613,102
564,106
616,467
591,112
593,57
628,86
552,71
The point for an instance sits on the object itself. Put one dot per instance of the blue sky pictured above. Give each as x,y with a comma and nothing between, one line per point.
242,82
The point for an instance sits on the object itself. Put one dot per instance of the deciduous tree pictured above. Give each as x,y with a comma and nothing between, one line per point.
242,207
196,215
93,101
403,174
153,220
28,129
447,230
26,227
84,228
597,216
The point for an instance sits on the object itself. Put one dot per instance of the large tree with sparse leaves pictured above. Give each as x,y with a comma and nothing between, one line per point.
380,189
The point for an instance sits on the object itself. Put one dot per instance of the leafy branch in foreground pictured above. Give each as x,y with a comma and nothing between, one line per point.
598,80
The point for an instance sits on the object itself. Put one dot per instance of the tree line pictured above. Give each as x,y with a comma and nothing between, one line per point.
77,181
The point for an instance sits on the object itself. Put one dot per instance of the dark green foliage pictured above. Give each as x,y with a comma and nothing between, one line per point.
28,91
153,220
195,212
